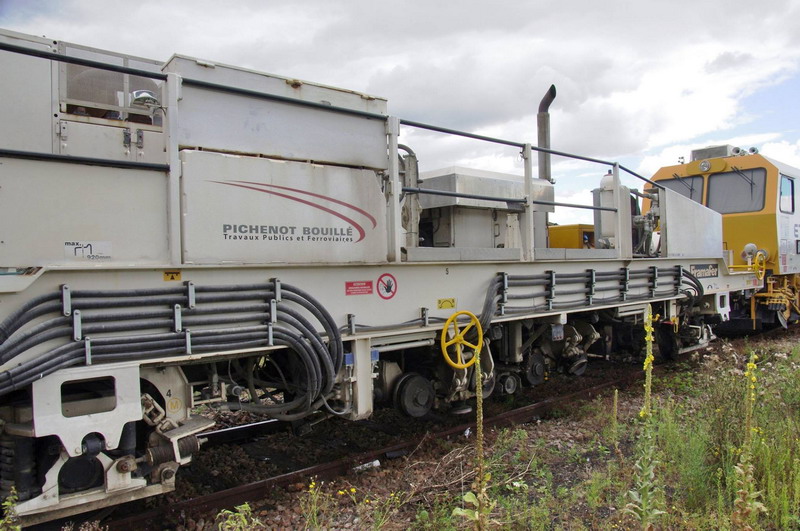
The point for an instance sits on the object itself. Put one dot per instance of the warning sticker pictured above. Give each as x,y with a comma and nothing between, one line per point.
359,287
170,276
446,304
387,286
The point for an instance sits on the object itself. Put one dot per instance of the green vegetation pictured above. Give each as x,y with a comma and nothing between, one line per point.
241,519
9,520
716,448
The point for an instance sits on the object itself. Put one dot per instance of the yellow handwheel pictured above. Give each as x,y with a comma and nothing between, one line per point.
760,265
456,337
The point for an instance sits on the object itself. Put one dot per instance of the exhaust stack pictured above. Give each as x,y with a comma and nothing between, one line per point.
543,128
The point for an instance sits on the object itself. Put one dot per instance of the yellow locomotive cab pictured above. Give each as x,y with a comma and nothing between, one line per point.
760,222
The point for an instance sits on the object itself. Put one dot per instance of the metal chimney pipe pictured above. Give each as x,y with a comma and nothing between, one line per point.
543,128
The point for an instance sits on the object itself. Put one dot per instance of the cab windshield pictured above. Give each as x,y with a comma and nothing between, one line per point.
737,191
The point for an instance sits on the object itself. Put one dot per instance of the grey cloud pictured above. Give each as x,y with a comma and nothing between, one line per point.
728,60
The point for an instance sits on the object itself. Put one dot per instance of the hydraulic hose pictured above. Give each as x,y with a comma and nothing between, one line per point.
124,325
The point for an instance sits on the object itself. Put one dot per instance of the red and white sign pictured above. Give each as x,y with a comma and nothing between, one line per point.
360,287
387,286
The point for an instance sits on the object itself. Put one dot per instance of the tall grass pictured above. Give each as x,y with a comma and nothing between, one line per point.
736,452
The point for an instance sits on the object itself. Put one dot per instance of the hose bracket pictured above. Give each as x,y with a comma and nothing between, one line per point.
273,311
190,295
87,346
626,278
77,333
66,300
177,314
654,283
277,286
591,286
550,290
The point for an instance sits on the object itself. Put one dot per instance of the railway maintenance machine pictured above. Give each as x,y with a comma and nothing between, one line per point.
185,233
760,226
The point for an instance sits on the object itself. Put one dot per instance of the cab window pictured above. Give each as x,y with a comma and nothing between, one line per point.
691,187
737,191
787,194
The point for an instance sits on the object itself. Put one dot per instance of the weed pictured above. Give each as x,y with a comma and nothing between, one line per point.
644,496
596,487
644,504
316,505
241,519
374,508
10,520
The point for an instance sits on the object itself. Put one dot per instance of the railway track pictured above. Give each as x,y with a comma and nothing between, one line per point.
252,492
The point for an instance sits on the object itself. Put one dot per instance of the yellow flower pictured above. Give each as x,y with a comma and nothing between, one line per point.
353,490
340,493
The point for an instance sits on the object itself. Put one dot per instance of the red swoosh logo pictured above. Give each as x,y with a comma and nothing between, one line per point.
361,233
325,197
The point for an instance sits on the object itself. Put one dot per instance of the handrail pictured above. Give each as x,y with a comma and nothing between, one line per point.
429,191
320,106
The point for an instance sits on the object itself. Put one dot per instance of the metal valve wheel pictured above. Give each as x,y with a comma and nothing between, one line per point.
452,335
760,265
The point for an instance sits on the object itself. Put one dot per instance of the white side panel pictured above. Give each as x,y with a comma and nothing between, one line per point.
226,122
85,137
25,101
93,140
69,214
235,76
688,228
238,123
249,210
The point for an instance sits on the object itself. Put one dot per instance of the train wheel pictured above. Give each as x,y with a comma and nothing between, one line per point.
508,383
414,395
534,369
579,366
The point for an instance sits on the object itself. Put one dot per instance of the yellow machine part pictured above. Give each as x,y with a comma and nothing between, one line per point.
781,293
753,227
571,236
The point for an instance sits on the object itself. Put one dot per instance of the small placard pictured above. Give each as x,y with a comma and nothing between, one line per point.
172,276
446,304
358,287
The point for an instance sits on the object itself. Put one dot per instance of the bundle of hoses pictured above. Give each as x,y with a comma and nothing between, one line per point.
693,291
128,325
574,288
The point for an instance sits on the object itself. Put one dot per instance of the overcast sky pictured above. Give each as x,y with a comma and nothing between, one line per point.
640,82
